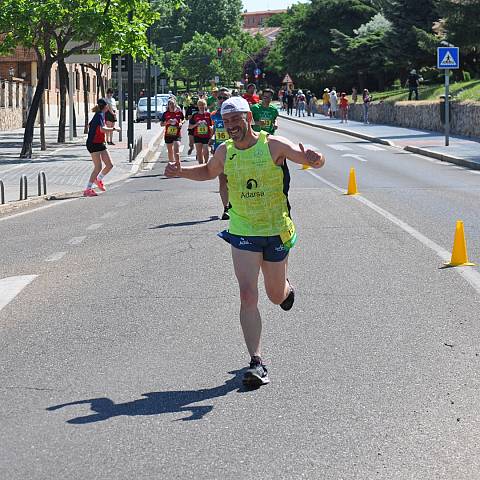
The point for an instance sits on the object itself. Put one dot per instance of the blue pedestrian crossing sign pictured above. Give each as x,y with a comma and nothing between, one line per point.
448,57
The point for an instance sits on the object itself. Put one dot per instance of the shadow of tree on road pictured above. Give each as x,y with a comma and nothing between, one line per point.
157,403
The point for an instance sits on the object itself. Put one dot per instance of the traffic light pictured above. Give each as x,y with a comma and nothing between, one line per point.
115,63
219,52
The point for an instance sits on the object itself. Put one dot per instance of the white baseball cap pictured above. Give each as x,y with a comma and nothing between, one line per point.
234,105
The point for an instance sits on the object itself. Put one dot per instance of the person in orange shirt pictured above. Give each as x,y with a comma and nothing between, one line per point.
343,107
251,97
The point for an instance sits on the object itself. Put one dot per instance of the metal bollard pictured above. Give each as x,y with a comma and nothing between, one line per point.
2,193
42,180
23,187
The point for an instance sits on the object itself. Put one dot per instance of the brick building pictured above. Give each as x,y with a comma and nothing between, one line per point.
258,19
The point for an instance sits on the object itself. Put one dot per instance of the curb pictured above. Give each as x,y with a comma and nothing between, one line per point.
421,151
341,130
147,156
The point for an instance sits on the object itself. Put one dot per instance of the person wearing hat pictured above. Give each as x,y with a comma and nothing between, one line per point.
261,231
212,100
326,101
97,148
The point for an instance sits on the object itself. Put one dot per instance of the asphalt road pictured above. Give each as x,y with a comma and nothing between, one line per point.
122,358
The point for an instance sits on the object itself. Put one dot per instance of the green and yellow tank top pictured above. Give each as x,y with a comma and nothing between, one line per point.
258,192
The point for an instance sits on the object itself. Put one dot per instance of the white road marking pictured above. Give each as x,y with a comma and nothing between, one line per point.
477,172
114,187
121,204
368,146
54,257
129,180
468,273
77,240
10,287
338,146
94,226
37,209
356,157
109,215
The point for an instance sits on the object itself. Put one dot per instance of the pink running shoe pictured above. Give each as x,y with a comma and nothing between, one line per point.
100,185
89,192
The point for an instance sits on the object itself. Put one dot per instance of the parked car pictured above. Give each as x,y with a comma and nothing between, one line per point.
142,108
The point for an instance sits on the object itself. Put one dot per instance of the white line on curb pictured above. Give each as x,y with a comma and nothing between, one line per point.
77,240
63,202
54,257
94,226
10,287
469,274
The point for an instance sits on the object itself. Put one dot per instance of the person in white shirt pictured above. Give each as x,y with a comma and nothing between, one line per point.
110,115
333,103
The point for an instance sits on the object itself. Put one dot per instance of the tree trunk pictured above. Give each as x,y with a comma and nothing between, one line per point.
63,76
45,68
43,144
85,97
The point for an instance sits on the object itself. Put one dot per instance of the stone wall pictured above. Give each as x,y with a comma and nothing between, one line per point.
464,116
10,118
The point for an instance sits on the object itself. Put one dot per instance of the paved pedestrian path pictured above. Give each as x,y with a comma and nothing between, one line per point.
67,166
462,151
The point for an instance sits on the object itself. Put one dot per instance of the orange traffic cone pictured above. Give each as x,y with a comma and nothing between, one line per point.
352,183
459,252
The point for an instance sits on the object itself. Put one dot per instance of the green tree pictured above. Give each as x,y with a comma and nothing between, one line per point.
303,48
411,20
47,26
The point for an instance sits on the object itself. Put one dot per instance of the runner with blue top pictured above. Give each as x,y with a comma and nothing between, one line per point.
261,231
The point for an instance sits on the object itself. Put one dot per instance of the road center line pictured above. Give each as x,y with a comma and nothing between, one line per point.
109,215
55,257
94,226
77,240
472,276
63,202
10,287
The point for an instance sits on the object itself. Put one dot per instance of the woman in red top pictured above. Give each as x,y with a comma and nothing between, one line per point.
201,123
172,120
344,107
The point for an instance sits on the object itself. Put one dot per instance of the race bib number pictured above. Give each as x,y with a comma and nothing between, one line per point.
265,122
172,131
202,130
221,135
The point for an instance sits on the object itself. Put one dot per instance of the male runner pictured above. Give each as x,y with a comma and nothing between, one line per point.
192,109
212,100
261,231
265,114
251,97
220,135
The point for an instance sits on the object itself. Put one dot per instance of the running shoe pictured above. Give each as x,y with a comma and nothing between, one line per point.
287,304
257,374
100,185
90,192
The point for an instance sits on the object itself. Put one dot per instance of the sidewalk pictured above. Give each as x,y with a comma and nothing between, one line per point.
462,151
67,166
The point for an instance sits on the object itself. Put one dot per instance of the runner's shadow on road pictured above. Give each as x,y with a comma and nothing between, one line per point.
185,224
158,403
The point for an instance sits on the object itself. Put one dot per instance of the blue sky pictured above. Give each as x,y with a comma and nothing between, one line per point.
255,5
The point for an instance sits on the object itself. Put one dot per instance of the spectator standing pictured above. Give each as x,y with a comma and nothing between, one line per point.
290,102
413,81
314,107
333,103
343,107
354,95
326,102
367,98
301,103
110,116
308,99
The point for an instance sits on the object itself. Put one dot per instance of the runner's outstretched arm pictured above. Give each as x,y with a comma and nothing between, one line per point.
281,148
212,169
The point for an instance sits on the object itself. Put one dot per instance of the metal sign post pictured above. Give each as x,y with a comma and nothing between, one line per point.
121,105
70,101
447,58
